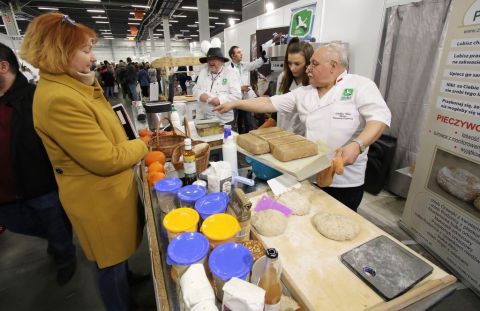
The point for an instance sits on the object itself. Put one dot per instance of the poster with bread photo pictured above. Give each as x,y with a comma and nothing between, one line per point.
442,211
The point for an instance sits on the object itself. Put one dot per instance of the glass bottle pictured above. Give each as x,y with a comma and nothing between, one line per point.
189,165
270,281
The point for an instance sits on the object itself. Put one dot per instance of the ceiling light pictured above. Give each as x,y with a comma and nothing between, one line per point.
227,10
105,30
189,7
179,16
193,35
219,23
100,17
96,11
91,0
108,38
196,22
101,22
173,21
192,26
133,23
186,30
140,6
212,26
235,19
269,7
47,8
134,19
231,22
213,17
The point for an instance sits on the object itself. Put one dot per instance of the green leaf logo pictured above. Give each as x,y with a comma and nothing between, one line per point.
347,92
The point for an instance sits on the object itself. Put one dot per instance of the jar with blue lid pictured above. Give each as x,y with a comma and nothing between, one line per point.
212,203
188,195
166,190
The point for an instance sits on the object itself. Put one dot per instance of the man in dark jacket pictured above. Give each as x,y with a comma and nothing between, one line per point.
131,79
29,202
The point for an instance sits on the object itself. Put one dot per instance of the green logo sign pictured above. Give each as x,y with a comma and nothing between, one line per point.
224,81
302,22
347,92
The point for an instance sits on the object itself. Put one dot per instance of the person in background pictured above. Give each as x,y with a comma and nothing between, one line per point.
182,77
152,74
142,77
294,74
108,79
29,202
216,85
90,153
344,110
244,118
131,80
120,73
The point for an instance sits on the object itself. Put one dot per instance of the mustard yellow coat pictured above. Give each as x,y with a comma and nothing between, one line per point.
92,159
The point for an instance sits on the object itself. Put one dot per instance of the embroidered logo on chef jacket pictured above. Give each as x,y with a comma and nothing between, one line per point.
224,81
347,94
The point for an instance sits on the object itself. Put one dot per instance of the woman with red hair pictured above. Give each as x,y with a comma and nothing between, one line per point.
89,150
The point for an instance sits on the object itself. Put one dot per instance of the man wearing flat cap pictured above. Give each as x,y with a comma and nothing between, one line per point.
217,84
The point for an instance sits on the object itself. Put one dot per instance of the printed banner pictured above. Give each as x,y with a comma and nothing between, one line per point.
301,23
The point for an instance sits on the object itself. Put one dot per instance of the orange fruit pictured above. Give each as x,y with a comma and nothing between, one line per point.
153,177
153,156
145,132
156,167
146,139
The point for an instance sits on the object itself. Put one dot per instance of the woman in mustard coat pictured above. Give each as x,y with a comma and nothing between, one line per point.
92,158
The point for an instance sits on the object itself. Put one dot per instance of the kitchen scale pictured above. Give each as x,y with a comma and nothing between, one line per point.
388,268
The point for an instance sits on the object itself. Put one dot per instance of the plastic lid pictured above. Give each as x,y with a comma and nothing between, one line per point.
191,193
187,248
180,219
188,142
227,131
271,253
230,260
212,203
168,184
220,227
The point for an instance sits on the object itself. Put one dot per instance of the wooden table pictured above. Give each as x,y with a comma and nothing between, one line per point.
314,274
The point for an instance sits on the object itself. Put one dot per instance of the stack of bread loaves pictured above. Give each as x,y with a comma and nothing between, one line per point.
284,146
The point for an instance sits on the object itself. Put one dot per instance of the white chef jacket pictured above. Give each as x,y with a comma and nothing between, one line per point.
289,121
243,70
225,86
338,117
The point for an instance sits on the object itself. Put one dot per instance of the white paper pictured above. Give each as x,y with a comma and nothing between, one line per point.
283,183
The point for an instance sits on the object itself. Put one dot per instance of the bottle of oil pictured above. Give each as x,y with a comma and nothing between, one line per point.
189,165
270,281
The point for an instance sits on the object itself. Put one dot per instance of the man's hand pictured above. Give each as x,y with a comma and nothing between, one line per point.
245,88
226,107
214,101
349,153
204,97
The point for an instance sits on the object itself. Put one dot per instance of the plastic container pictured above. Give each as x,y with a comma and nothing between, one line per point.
229,148
188,195
166,190
175,118
262,171
184,250
220,228
213,203
180,220
227,261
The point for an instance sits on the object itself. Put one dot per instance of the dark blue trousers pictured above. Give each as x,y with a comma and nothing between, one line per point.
42,217
114,288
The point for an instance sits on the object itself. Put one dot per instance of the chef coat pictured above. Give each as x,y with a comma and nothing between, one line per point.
225,86
338,117
243,70
289,121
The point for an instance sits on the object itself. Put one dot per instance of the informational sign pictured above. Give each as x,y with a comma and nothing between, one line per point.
443,205
301,23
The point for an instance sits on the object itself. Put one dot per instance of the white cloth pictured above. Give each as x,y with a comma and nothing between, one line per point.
338,117
289,121
243,70
225,86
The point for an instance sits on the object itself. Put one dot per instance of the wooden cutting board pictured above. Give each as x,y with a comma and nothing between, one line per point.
313,272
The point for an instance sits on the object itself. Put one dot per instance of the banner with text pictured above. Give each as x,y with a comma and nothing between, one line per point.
443,204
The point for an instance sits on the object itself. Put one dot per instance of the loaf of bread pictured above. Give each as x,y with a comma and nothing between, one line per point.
459,182
275,135
296,150
253,144
284,140
267,130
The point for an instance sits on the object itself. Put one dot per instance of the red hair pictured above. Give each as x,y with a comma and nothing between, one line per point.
51,41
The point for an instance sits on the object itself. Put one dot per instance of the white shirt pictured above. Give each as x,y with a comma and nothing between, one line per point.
338,117
243,70
225,86
289,121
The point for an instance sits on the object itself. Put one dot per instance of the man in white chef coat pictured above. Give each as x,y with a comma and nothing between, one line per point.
244,118
217,84
344,110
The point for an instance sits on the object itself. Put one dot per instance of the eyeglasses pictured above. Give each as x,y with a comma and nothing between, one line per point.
68,20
